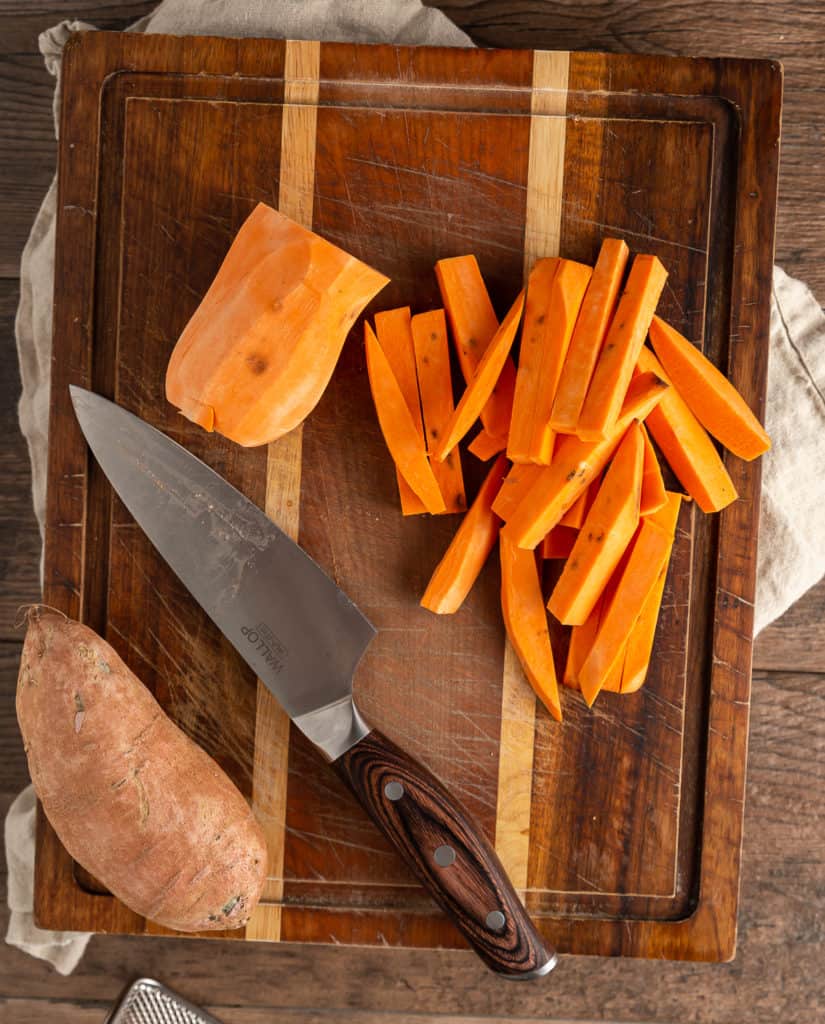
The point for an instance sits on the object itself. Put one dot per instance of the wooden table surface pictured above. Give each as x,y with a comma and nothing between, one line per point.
777,973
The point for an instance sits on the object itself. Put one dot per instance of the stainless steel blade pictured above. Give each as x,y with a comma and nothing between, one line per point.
300,633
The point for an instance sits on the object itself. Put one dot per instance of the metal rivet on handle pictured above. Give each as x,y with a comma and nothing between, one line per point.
393,791
496,920
444,856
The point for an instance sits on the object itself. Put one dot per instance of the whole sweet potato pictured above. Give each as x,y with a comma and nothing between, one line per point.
133,799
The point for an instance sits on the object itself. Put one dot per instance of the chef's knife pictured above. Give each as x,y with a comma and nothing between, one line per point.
303,637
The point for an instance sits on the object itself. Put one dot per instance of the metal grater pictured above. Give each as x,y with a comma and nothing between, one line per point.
146,1001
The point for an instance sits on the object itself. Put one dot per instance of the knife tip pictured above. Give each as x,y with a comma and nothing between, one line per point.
82,398
77,393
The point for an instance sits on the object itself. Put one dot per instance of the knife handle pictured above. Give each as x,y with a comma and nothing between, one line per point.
448,852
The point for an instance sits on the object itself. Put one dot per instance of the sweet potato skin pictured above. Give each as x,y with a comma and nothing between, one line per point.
132,798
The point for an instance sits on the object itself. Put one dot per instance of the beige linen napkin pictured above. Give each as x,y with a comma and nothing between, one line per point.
791,548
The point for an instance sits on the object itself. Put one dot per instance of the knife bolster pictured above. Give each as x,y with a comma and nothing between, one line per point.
335,728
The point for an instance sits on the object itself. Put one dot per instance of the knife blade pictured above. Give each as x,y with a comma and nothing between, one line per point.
304,638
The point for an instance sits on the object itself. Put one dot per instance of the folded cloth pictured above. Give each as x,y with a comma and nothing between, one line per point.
62,949
792,521
791,552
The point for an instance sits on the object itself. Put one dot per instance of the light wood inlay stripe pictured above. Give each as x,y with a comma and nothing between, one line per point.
283,478
542,229
545,169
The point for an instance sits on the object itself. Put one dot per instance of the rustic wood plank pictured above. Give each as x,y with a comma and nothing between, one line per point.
45,1011
14,774
111,14
26,126
290,980
19,535
39,1011
796,642
27,141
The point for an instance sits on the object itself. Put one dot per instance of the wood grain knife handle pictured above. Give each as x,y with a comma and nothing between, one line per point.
449,854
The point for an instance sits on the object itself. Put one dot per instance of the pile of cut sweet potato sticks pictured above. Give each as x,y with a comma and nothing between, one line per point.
576,475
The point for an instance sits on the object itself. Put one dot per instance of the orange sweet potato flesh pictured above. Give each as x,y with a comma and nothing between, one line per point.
394,332
686,446
625,337
648,555
559,542
581,640
667,517
582,637
484,446
474,324
597,310
516,485
575,464
555,291
604,536
638,648
259,350
526,622
403,438
575,515
393,328
432,361
641,637
639,644
480,388
469,549
531,355
709,395
613,683
654,495
411,504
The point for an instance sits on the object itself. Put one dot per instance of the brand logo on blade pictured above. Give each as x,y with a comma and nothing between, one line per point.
267,645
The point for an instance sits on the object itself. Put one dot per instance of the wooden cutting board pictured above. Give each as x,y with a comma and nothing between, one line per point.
622,826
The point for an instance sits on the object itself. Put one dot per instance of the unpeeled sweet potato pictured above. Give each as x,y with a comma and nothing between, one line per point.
133,799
